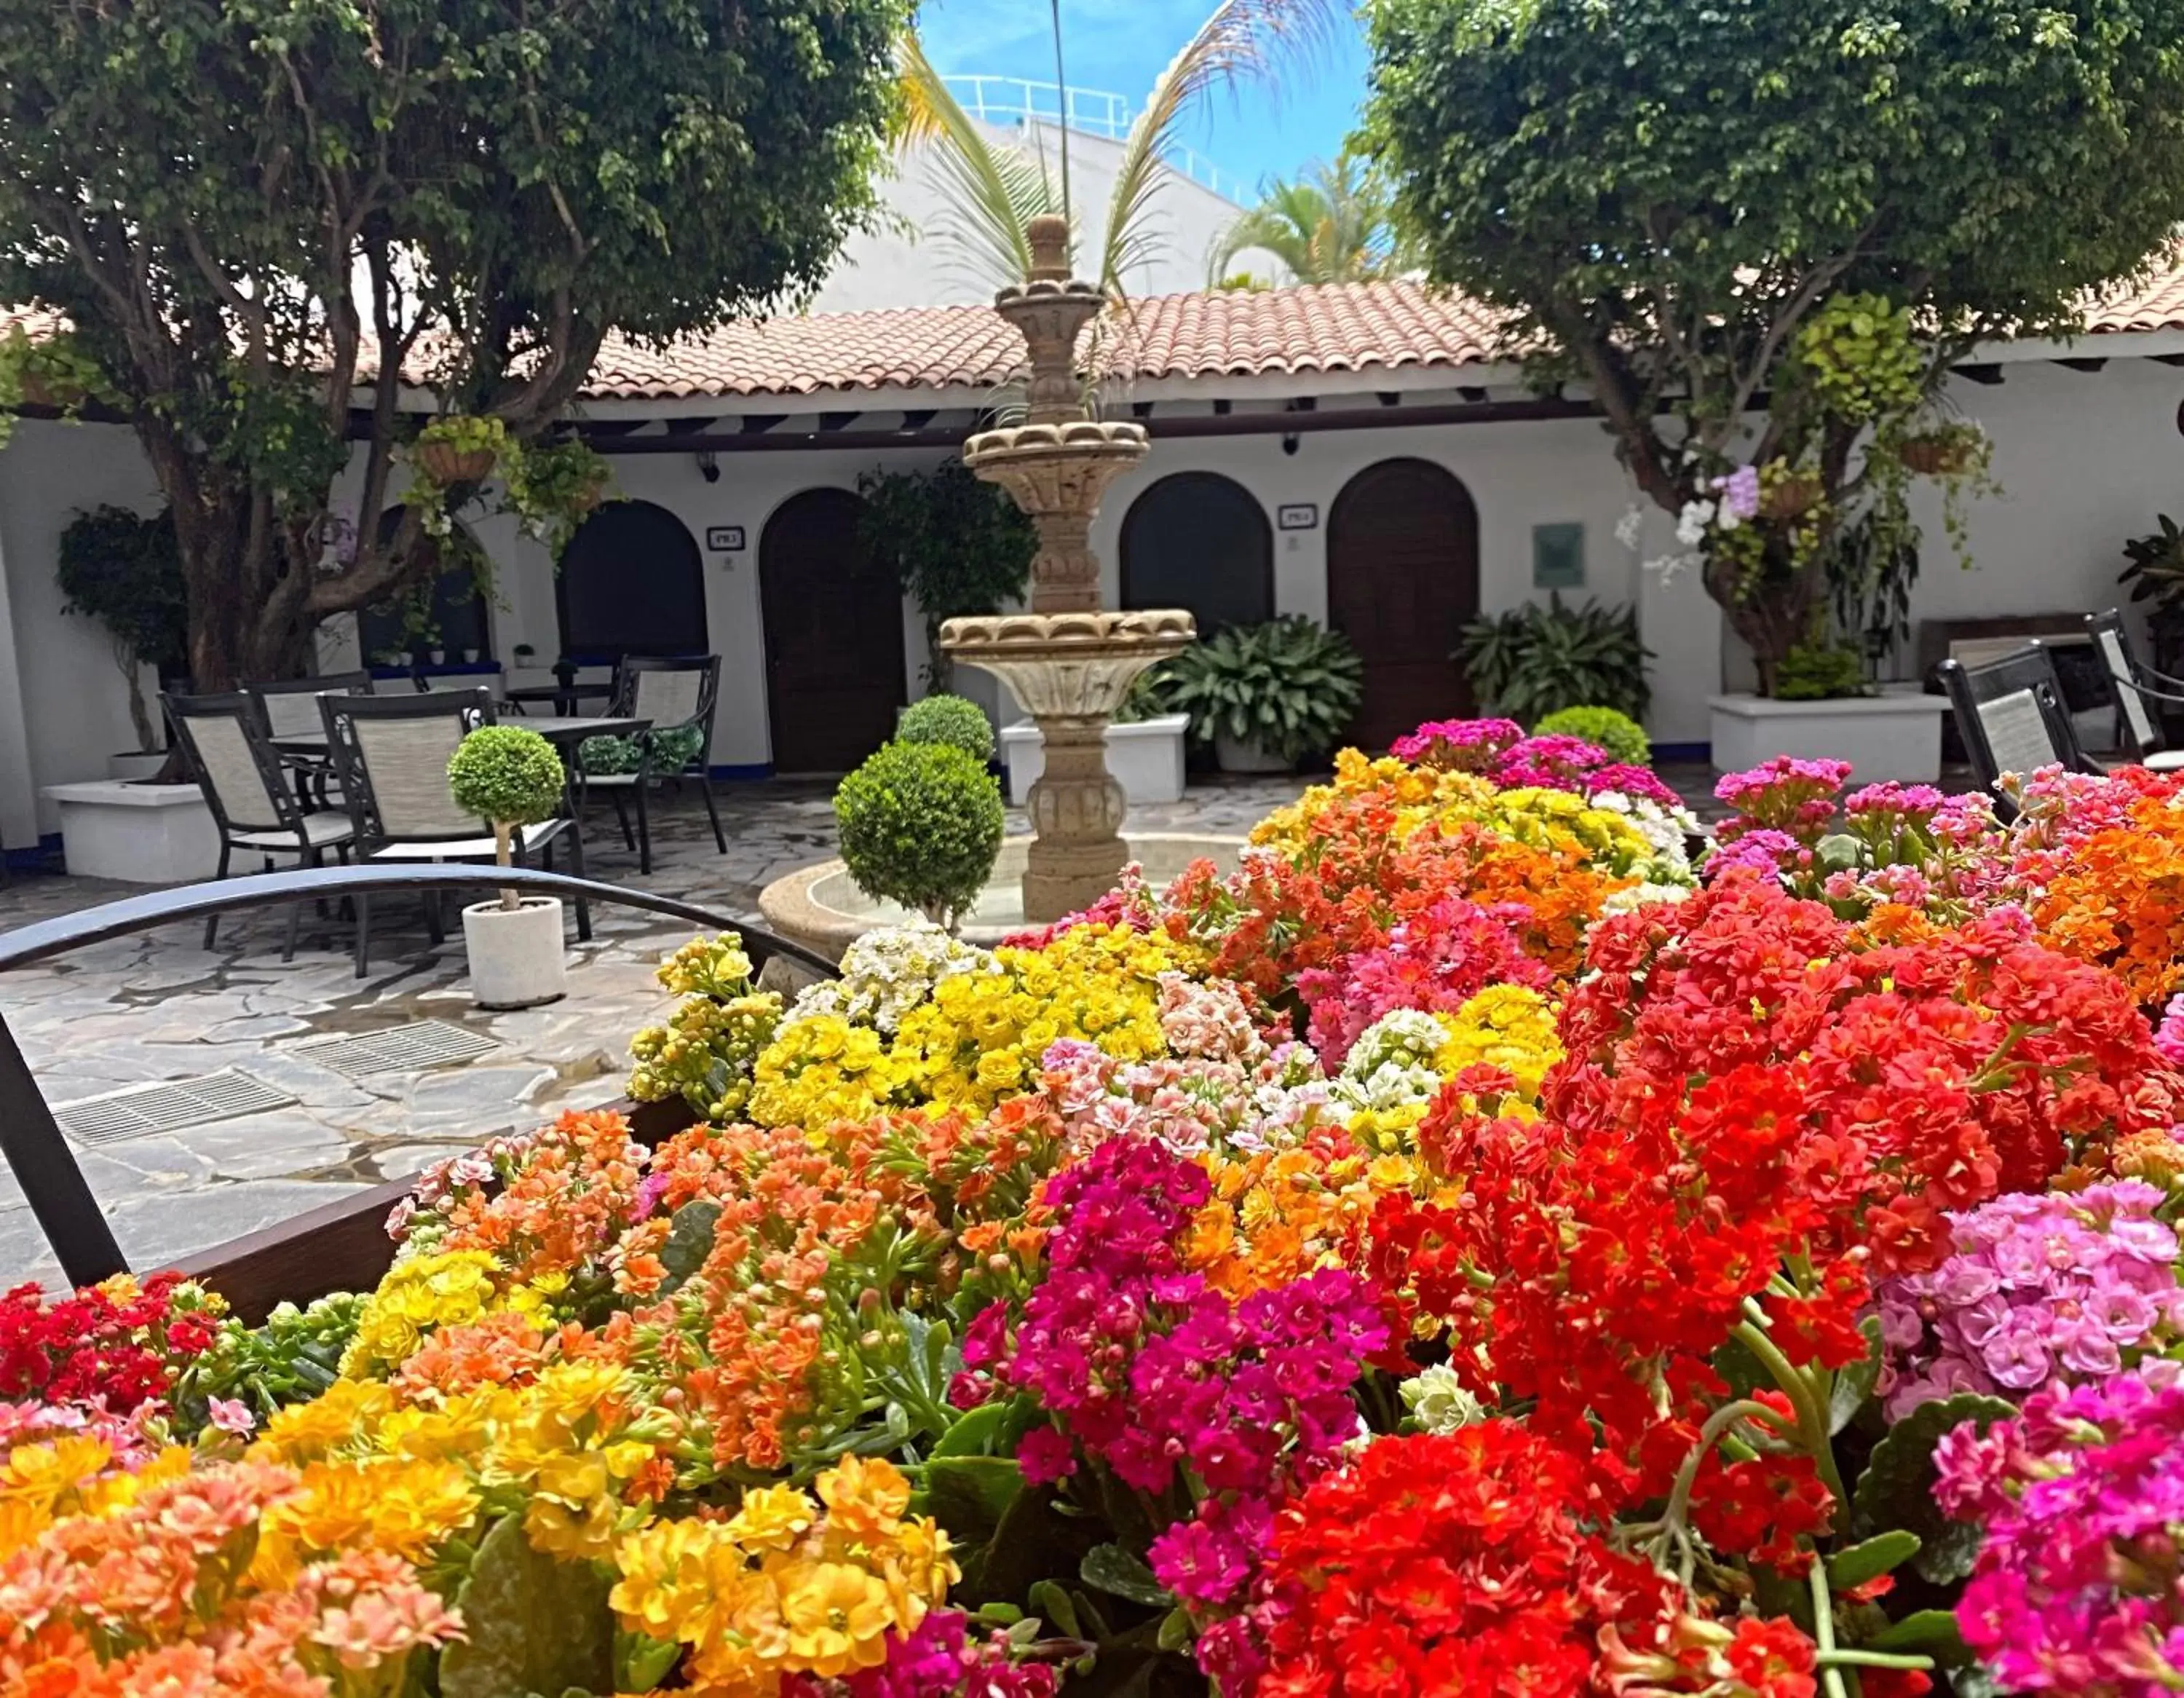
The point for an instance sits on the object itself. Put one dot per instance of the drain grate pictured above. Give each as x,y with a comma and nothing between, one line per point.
115,1115
399,1049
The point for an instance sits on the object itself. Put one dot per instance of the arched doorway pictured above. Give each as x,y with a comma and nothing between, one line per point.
1199,540
631,582
1402,579
833,635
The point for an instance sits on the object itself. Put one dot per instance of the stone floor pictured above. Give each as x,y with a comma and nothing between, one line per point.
160,1006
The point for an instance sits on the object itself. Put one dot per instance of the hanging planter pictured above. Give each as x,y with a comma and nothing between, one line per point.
1947,453
461,450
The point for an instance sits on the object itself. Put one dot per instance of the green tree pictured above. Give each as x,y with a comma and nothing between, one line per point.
957,544
1807,206
257,213
124,571
995,190
1330,225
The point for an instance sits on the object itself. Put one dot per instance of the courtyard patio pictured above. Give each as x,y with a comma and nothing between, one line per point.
327,1119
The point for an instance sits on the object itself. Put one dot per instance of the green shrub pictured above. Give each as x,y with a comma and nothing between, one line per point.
1818,672
1535,660
921,825
126,573
509,778
1288,687
950,719
1604,728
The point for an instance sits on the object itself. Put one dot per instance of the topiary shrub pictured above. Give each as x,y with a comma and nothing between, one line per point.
509,778
921,825
1604,728
951,719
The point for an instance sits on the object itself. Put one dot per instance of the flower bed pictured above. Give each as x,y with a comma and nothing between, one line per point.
1466,1250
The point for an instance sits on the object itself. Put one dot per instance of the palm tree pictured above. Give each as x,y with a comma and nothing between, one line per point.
997,189
1332,224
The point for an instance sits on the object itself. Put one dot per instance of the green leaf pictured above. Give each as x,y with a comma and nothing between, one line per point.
1854,1384
968,1496
535,1623
1049,1600
1174,1629
1924,1632
971,1435
1112,1569
643,1661
689,1241
1882,1553
1896,1489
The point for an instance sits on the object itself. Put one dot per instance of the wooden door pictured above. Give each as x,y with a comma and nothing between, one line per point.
833,635
1199,541
631,582
1402,579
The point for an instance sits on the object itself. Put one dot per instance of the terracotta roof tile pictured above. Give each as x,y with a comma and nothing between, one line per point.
2158,303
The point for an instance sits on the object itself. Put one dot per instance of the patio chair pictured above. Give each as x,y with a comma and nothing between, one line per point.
245,788
2139,692
391,753
677,696
289,707
2011,715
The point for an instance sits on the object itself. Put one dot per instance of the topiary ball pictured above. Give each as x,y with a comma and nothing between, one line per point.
951,719
921,825
1604,728
506,775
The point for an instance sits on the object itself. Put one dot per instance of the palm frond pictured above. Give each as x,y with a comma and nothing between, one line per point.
1241,40
993,193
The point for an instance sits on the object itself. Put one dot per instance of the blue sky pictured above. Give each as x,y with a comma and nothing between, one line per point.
1122,46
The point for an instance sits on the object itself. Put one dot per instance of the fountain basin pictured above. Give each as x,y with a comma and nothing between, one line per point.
819,907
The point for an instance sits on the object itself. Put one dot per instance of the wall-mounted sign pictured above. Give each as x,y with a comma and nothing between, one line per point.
725,538
1558,556
1298,516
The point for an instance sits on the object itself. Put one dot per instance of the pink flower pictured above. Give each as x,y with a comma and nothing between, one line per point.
229,1415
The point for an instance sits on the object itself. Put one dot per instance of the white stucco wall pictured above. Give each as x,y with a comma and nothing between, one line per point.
2086,459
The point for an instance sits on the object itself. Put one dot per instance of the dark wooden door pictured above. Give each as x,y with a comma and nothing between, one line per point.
631,582
1402,579
1199,541
833,635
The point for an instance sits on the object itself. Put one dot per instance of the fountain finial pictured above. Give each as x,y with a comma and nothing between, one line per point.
1048,235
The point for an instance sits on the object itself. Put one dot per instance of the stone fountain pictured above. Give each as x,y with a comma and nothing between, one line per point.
1068,663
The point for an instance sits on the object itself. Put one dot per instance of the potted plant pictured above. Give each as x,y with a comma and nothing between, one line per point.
459,449
2156,576
1534,661
554,486
125,572
1267,695
511,778
921,825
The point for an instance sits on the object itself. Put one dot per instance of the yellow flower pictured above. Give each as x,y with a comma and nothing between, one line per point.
347,1414
836,1616
418,1294
771,1518
865,1499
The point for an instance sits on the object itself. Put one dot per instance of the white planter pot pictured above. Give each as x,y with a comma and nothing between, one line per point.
1146,758
136,764
517,957
138,833
1247,758
1883,737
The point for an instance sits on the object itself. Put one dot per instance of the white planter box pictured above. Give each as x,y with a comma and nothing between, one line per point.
1147,758
1883,737
139,834
515,954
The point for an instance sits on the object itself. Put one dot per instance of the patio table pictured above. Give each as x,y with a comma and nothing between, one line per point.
564,698
565,733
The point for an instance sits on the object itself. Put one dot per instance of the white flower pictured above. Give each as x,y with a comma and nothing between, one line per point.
1629,527
1668,565
1692,523
1437,1401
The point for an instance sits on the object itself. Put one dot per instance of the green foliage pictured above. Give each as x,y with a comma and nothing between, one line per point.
553,487
957,545
463,433
1533,660
53,371
1819,671
337,193
2156,571
921,825
293,1358
1331,225
1288,687
950,719
1896,1489
126,573
535,1624
1690,210
506,775
1604,728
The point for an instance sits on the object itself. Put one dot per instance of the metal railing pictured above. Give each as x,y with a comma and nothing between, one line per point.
1019,103
31,1139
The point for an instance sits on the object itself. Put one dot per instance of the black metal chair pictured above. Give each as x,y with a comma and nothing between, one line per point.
289,707
391,754
2138,692
677,695
2012,716
253,806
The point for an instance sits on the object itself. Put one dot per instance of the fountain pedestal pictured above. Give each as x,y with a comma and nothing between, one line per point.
1068,664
